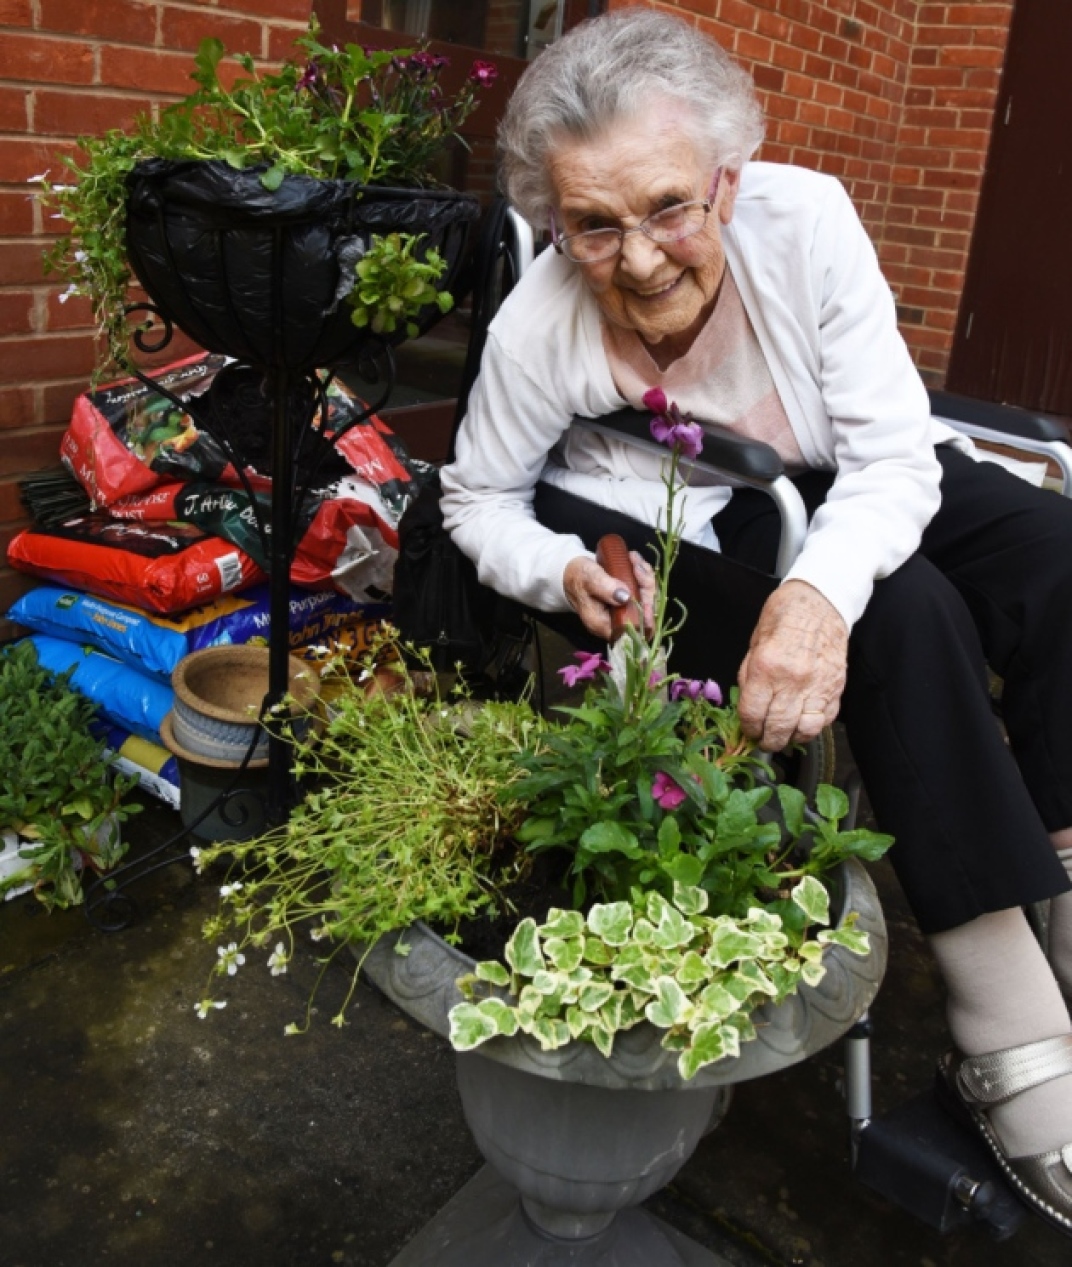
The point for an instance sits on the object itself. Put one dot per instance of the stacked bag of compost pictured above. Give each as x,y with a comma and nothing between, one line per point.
163,556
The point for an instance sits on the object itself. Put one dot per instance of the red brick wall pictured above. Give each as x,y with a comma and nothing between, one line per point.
895,97
70,67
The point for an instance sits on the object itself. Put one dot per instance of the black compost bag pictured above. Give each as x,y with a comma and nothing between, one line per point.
438,601
254,273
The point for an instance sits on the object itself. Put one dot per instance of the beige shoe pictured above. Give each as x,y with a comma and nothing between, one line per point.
978,1083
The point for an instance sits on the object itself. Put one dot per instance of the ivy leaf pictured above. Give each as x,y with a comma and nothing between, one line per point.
813,899
594,996
692,971
690,899
670,1006
730,944
709,1044
611,921
523,952
564,953
561,923
470,1026
852,939
493,972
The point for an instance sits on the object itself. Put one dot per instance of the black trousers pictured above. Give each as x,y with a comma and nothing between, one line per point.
990,584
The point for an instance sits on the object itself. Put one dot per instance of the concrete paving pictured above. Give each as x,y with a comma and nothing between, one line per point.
133,1134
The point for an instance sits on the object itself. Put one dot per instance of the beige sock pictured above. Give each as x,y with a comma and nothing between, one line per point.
1002,993
1059,934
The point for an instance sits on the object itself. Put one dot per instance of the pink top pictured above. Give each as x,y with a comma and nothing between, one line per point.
722,378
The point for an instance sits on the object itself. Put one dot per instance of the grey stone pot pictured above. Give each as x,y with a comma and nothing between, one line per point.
575,1138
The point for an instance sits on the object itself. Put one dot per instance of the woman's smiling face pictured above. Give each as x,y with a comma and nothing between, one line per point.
663,291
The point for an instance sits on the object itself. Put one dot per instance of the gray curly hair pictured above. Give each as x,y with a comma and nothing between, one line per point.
609,69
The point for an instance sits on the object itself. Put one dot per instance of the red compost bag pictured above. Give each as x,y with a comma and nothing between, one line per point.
158,567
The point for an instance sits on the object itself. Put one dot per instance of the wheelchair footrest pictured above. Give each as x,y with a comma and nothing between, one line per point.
938,1170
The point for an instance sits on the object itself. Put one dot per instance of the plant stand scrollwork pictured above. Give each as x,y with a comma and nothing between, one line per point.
262,276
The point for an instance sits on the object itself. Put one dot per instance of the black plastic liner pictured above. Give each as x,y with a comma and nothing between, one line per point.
253,273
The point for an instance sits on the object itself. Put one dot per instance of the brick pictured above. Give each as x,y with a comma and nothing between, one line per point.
16,13
16,213
14,115
16,312
128,21
85,113
753,47
75,313
134,68
20,262
773,25
57,400
51,356
11,507
181,28
975,56
293,10
16,407
768,79
978,15
23,452
52,61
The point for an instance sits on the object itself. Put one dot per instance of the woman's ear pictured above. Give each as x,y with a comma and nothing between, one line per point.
727,193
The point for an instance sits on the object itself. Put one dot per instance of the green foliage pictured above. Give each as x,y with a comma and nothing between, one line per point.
375,117
392,286
403,822
56,790
665,961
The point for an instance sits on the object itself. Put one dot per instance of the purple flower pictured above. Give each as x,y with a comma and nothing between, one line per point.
693,688
484,73
670,426
591,663
424,63
309,76
655,679
666,792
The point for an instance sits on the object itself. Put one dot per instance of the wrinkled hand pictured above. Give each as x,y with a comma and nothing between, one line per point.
592,592
793,675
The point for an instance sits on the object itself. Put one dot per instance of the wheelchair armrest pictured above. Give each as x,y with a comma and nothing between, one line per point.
723,453
744,461
1008,425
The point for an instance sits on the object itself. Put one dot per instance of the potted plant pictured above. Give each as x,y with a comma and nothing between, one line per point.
61,805
277,218
709,925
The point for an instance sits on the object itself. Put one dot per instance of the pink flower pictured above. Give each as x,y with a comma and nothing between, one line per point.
693,688
655,679
484,73
309,77
655,400
590,664
666,792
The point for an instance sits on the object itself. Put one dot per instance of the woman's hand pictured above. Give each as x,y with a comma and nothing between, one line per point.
592,592
793,675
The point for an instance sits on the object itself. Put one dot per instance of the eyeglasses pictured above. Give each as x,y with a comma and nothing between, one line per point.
669,225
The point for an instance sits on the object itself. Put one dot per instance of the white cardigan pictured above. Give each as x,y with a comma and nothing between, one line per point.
825,319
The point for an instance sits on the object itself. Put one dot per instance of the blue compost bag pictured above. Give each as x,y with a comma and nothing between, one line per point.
124,696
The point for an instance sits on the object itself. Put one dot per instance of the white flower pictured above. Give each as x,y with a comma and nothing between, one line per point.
69,293
277,960
206,1005
229,890
40,178
195,854
231,959
80,256
318,934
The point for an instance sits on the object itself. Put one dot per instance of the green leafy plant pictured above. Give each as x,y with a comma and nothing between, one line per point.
404,822
393,285
57,792
367,116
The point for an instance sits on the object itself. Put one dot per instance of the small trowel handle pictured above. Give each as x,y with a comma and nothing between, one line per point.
612,555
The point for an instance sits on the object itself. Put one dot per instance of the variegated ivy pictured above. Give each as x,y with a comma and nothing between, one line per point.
699,978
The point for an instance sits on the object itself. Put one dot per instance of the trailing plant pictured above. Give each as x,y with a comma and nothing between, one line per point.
696,976
374,117
404,822
393,285
57,790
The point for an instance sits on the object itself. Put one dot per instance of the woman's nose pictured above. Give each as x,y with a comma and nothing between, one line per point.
640,255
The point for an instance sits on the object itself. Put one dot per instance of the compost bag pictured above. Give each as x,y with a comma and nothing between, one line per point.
161,567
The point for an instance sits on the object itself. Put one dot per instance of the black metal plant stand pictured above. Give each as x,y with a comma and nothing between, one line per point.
261,277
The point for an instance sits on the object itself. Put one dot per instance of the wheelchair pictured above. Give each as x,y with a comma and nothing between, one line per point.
915,1156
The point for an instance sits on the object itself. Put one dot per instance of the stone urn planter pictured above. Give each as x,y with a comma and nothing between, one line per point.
576,1141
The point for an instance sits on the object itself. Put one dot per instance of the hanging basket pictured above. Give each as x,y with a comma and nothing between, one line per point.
254,273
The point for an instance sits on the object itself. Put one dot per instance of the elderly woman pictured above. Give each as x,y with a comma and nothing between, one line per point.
750,294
